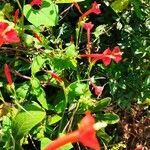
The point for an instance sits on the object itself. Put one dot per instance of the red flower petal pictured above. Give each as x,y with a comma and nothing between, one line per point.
88,26
36,2
8,74
1,40
87,134
106,60
3,26
117,54
107,52
11,36
98,90
95,8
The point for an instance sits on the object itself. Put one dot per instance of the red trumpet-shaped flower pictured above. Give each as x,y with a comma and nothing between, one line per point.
97,89
88,27
94,9
7,34
36,2
115,54
106,56
85,134
7,73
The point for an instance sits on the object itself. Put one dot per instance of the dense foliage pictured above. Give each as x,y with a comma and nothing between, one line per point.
61,59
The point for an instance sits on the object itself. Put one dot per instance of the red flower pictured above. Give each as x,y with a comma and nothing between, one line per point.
97,89
16,16
95,57
7,73
7,34
106,56
88,27
85,134
106,59
36,2
117,54
94,9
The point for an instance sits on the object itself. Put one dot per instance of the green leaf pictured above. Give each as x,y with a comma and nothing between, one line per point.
110,118
71,51
68,1
28,39
100,30
47,15
137,8
44,142
102,104
104,136
54,119
60,63
23,122
37,63
21,92
119,5
39,92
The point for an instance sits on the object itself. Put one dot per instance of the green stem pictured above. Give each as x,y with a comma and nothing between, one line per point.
63,113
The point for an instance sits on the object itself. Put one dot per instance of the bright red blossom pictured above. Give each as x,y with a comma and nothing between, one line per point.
36,2
106,56
85,134
88,26
7,34
97,89
94,9
7,73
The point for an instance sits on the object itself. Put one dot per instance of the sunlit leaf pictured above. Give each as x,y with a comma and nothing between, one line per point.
119,5
23,122
47,15
68,1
